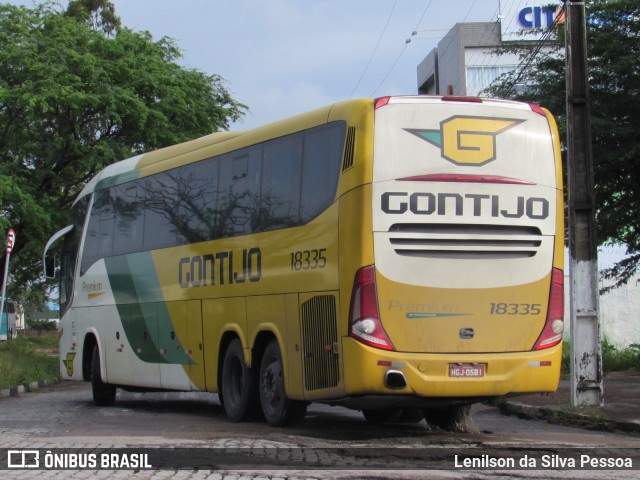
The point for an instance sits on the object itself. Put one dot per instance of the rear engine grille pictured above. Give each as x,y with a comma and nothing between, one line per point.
464,240
319,341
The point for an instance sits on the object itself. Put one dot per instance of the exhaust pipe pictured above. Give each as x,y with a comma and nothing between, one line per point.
395,380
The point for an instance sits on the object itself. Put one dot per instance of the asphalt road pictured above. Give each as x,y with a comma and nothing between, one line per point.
333,442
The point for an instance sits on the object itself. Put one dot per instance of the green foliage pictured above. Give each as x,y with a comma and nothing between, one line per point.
77,93
565,365
99,14
28,359
613,358
42,326
613,39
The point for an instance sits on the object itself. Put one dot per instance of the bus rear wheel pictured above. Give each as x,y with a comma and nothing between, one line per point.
278,409
382,415
411,415
453,418
103,394
238,383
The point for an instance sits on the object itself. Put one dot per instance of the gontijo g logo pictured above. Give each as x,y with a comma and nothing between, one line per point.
467,140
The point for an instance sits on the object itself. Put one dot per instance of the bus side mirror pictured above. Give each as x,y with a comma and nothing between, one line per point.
50,265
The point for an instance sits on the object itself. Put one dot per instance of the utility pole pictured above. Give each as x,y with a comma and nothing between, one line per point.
11,238
586,357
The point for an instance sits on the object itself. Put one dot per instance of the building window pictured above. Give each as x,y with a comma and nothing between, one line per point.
480,78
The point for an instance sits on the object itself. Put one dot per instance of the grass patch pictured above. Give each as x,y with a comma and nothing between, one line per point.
614,359
28,359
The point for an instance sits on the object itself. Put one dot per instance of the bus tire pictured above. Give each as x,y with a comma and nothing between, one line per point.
382,415
278,409
453,418
238,383
411,415
103,394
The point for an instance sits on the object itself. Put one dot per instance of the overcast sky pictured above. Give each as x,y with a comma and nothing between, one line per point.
282,57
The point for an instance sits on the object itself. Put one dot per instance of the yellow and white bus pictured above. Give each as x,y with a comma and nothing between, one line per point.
391,255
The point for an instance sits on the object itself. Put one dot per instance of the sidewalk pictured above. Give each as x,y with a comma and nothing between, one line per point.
620,411
27,387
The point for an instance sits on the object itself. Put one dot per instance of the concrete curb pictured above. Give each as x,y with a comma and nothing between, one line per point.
560,416
26,387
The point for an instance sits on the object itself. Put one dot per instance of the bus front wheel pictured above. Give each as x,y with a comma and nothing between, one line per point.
277,408
103,394
238,384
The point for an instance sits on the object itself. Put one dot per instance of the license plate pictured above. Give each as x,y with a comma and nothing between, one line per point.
467,370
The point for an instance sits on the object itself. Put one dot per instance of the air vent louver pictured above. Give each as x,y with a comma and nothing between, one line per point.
464,241
319,340
349,149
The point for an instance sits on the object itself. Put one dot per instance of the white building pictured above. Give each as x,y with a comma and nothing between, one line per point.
465,61
619,308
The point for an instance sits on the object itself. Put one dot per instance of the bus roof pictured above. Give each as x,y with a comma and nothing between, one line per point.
221,142
200,148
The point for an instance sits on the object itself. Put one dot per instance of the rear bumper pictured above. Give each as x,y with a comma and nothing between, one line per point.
427,375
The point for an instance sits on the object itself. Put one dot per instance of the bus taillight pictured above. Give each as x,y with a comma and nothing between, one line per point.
538,109
364,315
380,102
552,332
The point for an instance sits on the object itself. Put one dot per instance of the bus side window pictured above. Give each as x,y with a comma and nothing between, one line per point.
161,199
239,194
129,223
198,209
99,238
280,199
50,264
322,160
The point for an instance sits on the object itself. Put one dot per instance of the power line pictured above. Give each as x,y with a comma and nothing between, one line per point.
524,65
375,49
452,38
479,52
414,32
